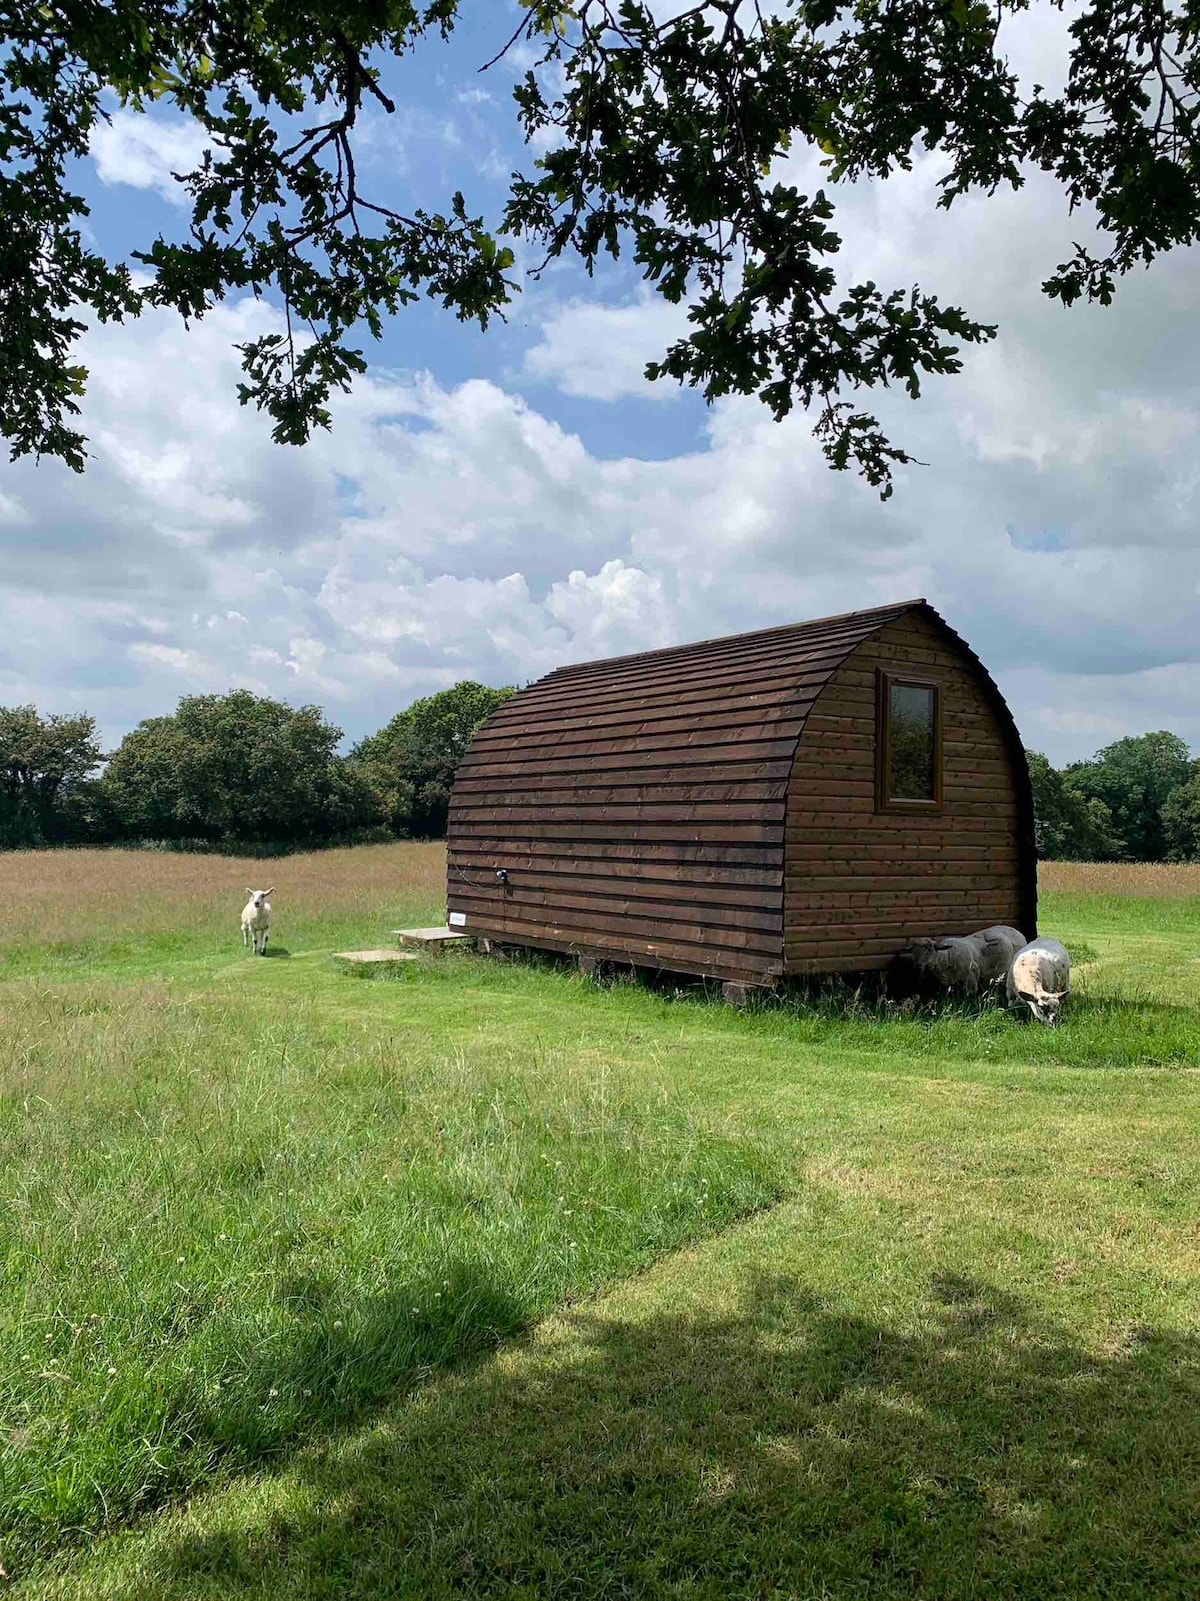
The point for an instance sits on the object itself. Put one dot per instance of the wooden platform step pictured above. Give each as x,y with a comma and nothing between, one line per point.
375,956
431,939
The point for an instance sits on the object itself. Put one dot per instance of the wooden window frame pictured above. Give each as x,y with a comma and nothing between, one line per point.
884,801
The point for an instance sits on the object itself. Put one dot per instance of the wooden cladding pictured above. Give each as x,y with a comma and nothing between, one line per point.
904,866
714,808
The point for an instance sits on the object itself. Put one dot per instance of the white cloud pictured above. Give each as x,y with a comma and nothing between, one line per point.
614,612
600,351
452,529
414,141
144,149
1076,714
11,510
182,661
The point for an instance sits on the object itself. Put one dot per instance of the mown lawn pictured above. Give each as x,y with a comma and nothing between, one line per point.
919,1309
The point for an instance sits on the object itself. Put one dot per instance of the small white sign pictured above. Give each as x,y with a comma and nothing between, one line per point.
457,919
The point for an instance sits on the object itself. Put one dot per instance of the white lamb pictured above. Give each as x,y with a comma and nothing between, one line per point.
1040,976
256,920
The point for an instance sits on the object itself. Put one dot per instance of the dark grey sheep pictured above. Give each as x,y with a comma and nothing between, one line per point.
964,964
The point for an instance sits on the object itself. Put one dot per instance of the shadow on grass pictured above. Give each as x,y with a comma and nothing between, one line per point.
348,1355
277,951
347,1358
787,1449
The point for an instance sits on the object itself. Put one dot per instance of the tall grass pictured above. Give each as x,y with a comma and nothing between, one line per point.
1100,1029
1153,880
228,1226
104,909
244,1201
53,896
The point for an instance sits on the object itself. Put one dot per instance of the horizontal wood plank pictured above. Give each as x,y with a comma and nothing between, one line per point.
744,967
882,855
817,966
897,888
581,815
772,757
599,881
883,939
719,854
725,924
706,785
597,927
672,727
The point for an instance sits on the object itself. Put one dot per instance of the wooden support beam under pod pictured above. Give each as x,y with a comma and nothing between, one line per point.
788,802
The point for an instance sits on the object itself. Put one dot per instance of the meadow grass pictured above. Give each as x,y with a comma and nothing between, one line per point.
235,1217
1126,880
118,912
957,1357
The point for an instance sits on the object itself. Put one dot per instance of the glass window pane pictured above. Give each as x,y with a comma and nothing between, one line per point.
911,773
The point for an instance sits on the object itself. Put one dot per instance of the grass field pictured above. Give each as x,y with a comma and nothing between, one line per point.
833,1301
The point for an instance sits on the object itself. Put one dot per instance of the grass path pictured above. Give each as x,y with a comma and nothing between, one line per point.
829,1400
957,1357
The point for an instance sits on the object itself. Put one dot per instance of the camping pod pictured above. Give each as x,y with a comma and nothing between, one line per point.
801,800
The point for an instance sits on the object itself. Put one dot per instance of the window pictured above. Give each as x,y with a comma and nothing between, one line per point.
909,746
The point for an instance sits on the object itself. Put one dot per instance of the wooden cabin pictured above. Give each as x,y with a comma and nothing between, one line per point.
803,800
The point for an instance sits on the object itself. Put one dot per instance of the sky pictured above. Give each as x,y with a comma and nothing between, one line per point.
495,505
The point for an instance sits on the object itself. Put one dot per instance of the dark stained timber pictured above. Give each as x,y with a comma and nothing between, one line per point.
715,808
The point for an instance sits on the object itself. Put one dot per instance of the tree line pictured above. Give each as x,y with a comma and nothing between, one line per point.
242,771
236,771
1137,800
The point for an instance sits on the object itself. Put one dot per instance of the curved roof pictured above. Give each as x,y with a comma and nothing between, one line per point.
674,761
653,718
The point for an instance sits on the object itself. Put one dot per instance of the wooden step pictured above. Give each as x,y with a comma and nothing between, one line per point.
431,939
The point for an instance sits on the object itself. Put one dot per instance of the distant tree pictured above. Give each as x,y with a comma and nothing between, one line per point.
411,761
1181,820
1135,778
1068,826
237,767
45,763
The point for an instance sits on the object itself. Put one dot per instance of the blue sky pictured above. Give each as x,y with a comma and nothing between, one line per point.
493,505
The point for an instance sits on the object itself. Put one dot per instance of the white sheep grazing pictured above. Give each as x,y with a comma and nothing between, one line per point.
256,919
1040,976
